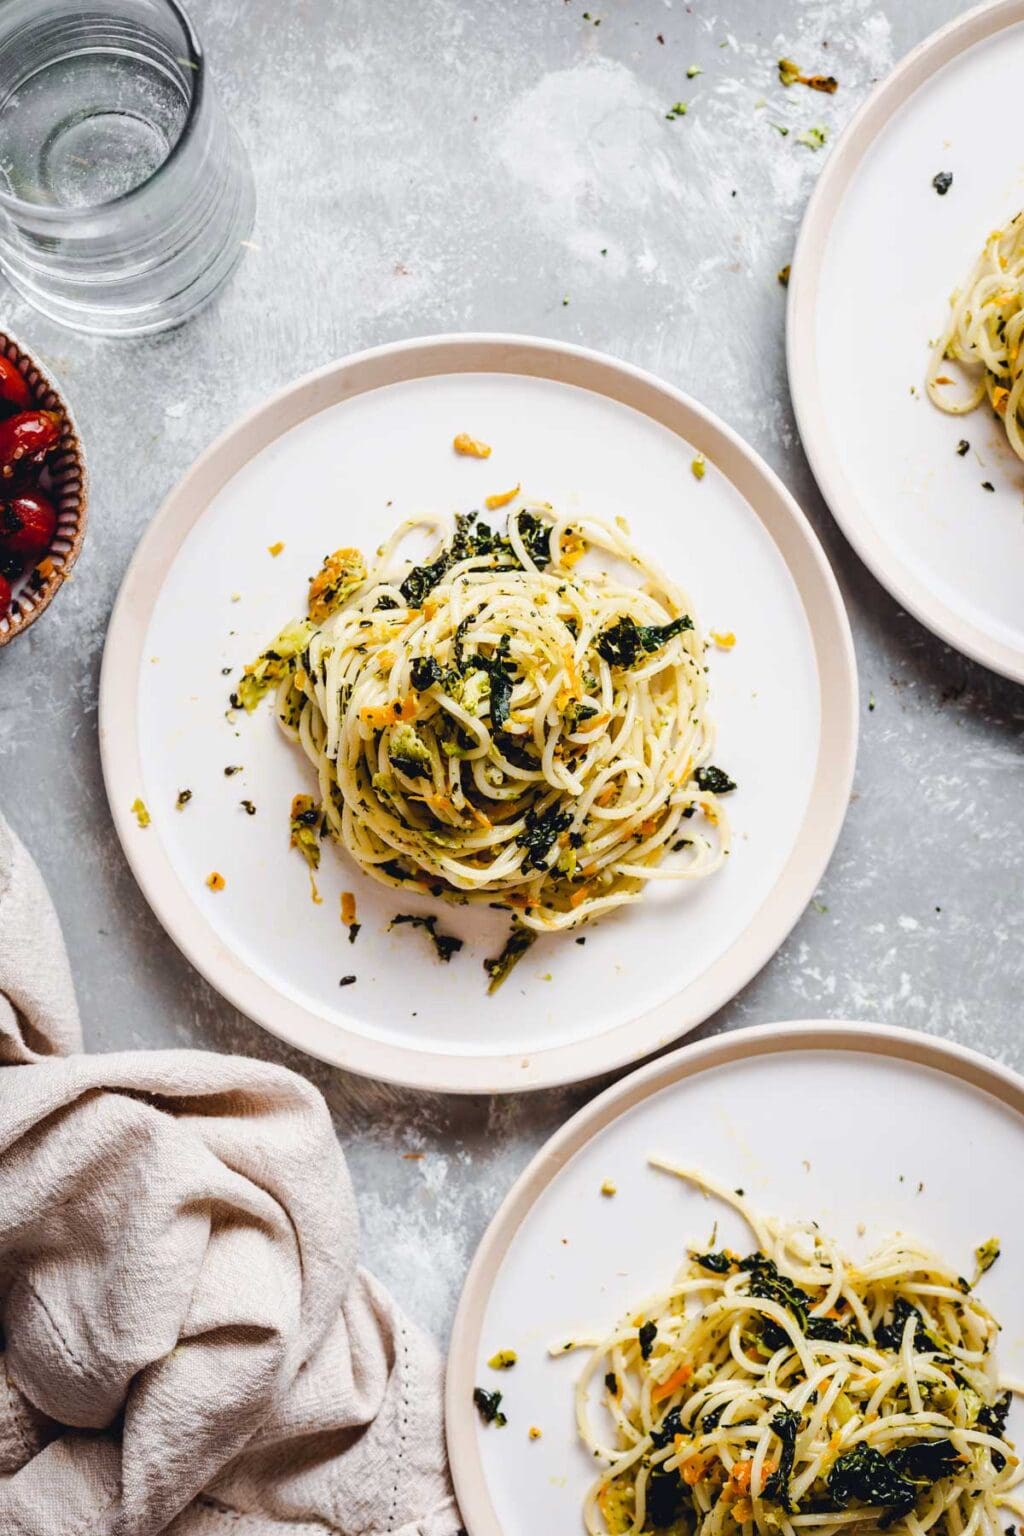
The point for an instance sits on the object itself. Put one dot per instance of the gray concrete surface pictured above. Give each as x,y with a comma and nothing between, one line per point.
465,164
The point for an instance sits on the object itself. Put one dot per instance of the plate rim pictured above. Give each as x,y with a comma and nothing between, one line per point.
913,71
832,644
758,1040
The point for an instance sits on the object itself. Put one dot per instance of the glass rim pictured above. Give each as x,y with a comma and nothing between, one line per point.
196,63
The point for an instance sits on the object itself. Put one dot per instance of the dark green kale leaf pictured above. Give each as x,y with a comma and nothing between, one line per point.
540,833
488,1406
769,1285
446,944
412,767
468,539
509,748
397,871
646,1337
925,1461
665,1432
501,672
576,712
717,1263
666,1498
626,642
715,780
866,1476
786,1424
890,1335
536,536
827,1328
425,672
993,1418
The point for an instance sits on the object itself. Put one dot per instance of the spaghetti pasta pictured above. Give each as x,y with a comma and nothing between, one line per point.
790,1391
503,724
985,335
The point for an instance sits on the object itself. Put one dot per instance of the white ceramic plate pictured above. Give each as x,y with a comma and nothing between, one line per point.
340,458
842,1123
879,254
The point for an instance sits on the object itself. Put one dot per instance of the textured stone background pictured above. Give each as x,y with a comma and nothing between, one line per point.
460,165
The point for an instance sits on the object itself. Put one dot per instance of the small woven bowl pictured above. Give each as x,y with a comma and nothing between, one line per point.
64,480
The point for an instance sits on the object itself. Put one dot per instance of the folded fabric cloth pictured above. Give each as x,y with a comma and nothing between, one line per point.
188,1344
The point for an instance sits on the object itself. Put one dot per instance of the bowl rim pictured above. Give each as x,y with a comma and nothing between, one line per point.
42,381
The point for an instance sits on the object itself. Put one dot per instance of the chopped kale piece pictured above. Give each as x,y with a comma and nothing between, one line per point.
611,1382
646,1337
942,182
786,1424
993,1418
626,642
425,672
446,944
665,1432
890,1335
576,712
717,1263
500,671
488,1406
768,1284
540,833
536,536
384,602
865,1475
666,1498
394,869
925,1461
714,780
518,756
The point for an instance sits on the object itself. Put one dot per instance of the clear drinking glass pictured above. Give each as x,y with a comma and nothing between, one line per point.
125,194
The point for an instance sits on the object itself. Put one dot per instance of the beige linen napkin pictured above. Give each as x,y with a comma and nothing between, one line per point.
188,1344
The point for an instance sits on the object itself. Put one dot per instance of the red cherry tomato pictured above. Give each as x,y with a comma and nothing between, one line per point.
29,435
5,595
27,524
14,388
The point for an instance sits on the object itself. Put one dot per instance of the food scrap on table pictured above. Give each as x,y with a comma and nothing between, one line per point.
215,881
792,74
140,812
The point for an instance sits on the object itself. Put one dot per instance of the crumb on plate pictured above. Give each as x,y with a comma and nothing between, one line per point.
470,447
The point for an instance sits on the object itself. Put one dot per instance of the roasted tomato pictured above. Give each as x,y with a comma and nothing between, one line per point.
28,435
27,524
14,390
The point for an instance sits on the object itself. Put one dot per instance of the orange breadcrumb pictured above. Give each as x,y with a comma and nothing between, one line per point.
470,447
492,503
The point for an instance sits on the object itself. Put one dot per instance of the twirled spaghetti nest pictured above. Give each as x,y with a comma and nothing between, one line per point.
505,722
